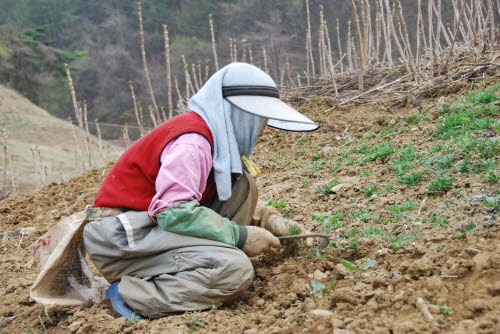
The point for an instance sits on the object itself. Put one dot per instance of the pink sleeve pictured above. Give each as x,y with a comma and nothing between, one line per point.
185,165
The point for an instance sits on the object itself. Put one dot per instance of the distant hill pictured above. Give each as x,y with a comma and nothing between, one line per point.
43,147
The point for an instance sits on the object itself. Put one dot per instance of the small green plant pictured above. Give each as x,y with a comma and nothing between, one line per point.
352,267
194,323
436,148
440,245
276,204
129,322
326,188
445,310
412,119
316,156
305,182
274,159
318,287
331,222
399,241
399,211
492,202
437,221
373,231
441,184
368,173
353,244
301,141
372,189
469,227
411,179
316,166
301,151
334,168
362,214
294,230
491,177
214,308
379,152
351,233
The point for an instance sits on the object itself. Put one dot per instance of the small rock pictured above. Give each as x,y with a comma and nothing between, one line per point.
494,289
319,276
73,327
476,305
392,122
260,302
481,261
326,149
472,251
322,313
433,284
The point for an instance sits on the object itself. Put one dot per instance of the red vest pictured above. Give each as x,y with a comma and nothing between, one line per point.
131,181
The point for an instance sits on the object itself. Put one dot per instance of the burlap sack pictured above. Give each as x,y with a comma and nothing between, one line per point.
65,282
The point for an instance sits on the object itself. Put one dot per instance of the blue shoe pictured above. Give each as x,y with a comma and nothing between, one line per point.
119,305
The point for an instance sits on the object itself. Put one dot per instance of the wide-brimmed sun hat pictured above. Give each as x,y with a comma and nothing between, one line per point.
251,90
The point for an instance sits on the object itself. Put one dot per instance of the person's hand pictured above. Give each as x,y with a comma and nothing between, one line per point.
280,226
259,240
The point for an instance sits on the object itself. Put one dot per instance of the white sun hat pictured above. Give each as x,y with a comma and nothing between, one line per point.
250,89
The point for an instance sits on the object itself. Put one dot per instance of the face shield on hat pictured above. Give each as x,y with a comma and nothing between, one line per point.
253,91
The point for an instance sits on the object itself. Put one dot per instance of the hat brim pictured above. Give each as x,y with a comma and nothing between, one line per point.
281,115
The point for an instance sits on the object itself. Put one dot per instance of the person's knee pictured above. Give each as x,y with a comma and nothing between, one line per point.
236,273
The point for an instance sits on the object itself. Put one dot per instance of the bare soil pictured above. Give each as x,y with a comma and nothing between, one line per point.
453,269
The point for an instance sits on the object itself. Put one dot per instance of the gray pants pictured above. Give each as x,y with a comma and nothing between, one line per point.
163,272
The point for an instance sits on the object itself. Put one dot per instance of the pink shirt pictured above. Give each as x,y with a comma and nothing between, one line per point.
186,162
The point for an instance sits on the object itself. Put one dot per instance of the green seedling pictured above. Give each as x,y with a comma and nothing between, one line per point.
294,230
132,320
438,222
334,168
373,231
301,151
276,204
368,173
332,222
440,245
351,233
214,307
353,244
194,323
352,267
436,148
491,177
318,287
316,156
411,179
399,241
305,182
301,141
379,152
485,96
412,119
399,211
316,166
445,310
492,202
326,188
362,215
441,184
370,190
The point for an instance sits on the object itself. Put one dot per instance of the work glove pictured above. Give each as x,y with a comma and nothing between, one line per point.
258,241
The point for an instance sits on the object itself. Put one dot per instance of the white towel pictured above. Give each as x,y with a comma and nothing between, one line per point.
235,132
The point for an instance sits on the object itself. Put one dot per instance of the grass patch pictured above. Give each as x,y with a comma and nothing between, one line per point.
441,184
325,189
411,179
331,222
370,190
276,204
373,231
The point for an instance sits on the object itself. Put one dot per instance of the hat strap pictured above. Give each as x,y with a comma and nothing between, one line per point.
250,90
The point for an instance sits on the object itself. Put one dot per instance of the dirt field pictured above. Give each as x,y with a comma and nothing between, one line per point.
415,189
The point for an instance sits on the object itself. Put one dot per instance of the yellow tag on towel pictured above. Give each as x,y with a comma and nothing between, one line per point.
251,167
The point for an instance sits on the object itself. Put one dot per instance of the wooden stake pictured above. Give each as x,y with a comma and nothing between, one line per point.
144,61
311,58
361,51
212,34
169,74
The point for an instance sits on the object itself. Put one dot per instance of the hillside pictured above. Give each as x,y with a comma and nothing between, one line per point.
42,147
412,192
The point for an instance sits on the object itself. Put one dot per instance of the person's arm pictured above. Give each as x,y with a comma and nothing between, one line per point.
185,166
